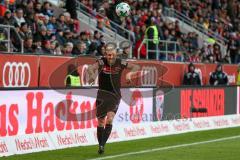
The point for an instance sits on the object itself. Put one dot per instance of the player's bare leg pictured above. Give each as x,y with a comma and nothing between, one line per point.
110,116
100,134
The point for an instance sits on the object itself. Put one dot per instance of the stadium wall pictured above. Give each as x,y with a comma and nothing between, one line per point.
50,71
47,119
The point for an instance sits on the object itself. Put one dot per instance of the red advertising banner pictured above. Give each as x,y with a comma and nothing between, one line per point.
50,71
151,74
18,70
230,70
38,111
54,70
48,65
174,74
202,102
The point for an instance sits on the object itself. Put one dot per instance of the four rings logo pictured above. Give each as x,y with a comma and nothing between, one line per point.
16,74
149,76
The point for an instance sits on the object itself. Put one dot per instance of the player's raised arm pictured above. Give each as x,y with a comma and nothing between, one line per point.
91,70
134,69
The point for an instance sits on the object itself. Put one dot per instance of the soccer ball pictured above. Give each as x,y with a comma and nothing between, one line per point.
123,9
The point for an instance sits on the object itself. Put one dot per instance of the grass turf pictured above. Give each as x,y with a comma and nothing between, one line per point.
222,150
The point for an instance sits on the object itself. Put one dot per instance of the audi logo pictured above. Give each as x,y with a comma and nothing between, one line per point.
16,74
149,76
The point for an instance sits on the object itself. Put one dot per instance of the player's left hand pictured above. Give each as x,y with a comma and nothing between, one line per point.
128,77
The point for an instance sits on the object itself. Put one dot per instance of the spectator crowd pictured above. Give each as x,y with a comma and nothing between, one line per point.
45,33
220,16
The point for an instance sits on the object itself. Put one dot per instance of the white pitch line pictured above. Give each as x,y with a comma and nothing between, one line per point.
165,148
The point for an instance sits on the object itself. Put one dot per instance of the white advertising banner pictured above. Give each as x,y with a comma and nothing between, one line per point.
34,121
37,120
136,106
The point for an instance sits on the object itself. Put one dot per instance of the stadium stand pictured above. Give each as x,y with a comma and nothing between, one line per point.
219,17
62,33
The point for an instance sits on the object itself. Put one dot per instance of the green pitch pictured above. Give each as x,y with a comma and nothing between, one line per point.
222,144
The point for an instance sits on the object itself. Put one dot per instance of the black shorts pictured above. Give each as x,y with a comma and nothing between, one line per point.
106,102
